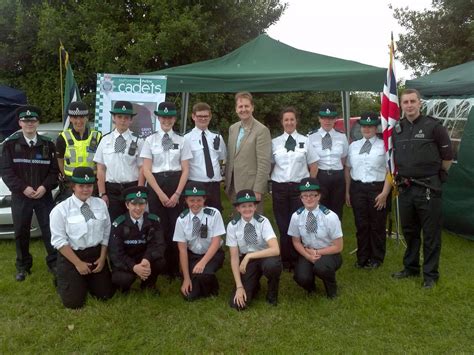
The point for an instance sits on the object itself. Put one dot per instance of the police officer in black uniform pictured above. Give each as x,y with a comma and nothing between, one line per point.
423,155
30,170
136,246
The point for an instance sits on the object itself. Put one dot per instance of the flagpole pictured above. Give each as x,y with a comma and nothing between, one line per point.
61,49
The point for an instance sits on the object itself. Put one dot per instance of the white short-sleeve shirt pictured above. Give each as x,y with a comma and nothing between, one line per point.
235,234
369,167
329,159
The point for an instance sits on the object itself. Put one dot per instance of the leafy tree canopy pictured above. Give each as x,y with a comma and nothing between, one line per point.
437,38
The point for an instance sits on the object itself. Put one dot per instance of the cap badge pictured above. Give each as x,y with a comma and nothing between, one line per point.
139,194
28,113
368,119
124,108
77,110
247,196
307,184
194,190
166,110
86,177
328,110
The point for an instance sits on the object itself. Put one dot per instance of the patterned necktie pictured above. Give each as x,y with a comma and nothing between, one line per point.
32,143
290,144
87,212
250,234
311,223
207,157
166,142
196,226
120,144
366,147
326,141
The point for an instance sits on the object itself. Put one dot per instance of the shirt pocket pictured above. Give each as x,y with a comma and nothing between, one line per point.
337,148
76,227
98,225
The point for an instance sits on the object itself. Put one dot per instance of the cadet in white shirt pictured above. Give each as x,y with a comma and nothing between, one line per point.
254,252
317,237
198,234
118,160
208,150
291,162
332,148
367,188
166,157
80,228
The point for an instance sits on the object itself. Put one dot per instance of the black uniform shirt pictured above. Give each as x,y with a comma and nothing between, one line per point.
128,245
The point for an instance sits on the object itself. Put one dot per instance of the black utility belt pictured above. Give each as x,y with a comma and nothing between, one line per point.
166,174
373,183
424,182
330,172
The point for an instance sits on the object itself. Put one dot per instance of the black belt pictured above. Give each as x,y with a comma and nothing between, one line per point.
166,174
120,185
330,172
285,183
373,183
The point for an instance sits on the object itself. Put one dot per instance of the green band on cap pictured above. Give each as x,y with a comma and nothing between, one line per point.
194,192
84,180
135,195
308,187
123,112
327,114
166,113
28,114
246,199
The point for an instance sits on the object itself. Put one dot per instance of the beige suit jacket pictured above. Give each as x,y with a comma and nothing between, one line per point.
248,167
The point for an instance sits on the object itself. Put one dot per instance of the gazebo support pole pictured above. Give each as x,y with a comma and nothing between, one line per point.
346,112
184,111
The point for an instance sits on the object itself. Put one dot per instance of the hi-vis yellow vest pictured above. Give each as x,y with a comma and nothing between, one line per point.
79,153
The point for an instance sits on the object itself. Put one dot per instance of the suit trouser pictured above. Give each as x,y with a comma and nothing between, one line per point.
168,182
286,200
369,221
116,201
73,287
22,213
417,213
206,283
333,190
325,268
125,279
268,267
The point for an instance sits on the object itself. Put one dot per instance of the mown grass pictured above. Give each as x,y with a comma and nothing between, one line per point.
373,314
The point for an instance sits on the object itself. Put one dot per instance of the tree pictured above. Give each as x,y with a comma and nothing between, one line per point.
128,37
437,38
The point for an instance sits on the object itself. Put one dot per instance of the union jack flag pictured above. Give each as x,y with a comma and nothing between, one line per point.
390,111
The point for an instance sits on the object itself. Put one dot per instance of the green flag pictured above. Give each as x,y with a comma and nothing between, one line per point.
71,90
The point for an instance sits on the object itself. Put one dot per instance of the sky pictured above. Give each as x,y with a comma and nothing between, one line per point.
357,30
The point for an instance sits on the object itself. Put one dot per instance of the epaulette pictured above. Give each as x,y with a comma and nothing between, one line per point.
153,217
235,220
106,134
339,131
209,211
44,138
178,133
135,134
13,136
324,209
300,210
188,131
119,220
312,131
258,218
184,213
215,132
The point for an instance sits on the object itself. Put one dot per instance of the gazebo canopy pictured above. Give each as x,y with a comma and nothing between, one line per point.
267,65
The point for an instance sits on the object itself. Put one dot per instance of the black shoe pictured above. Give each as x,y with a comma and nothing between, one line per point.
359,266
374,265
272,300
21,275
428,284
404,274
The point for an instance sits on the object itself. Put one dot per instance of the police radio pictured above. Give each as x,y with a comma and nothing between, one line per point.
133,148
203,230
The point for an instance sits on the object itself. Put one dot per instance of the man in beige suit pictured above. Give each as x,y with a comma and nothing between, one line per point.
248,153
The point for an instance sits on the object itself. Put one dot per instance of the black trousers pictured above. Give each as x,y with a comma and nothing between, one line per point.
286,200
22,214
124,279
213,190
333,190
270,268
205,284
370,223
116,202
168,182
73,287
418,213
325,268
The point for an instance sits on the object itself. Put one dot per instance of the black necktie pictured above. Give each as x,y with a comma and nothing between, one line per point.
366,147
120,144
137,224
32,143
326,141
250,234
290,144
207,157
166,142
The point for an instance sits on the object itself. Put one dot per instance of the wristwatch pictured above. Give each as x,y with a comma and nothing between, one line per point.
102,194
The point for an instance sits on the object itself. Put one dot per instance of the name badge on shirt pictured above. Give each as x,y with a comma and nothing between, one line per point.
301,145
175,145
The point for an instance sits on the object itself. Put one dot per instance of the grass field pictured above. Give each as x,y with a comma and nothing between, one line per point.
373,314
